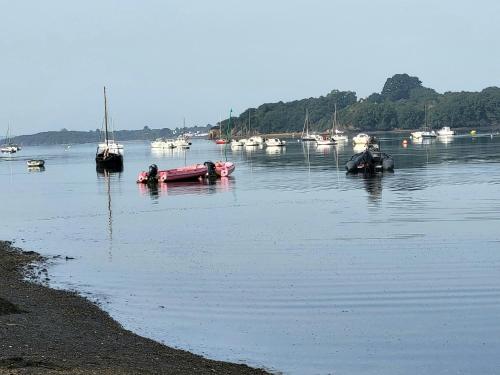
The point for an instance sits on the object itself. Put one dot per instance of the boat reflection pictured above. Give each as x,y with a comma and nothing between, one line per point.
36,169
203,186
276,150
325,149
105,171
445,139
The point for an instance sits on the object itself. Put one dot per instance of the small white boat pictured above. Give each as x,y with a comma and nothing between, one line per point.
429,134
275,142
236,143
416,135
163,143
325,141
361,139
339,137
252,142
445,131
35,163
181,143
8,149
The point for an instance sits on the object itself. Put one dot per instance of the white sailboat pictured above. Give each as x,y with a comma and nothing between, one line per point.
306,136
8,147
338,135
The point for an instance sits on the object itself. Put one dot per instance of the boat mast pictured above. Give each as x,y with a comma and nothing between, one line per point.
335,120
305,129
105,117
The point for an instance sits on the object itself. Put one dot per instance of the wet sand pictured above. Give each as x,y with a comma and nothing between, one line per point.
47,331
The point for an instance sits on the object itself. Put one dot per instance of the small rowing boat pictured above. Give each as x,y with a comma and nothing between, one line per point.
35,163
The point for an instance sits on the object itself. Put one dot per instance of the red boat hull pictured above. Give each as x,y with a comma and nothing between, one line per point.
224,169
190,172
221,141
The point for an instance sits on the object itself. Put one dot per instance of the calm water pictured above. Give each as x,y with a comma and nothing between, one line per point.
290,264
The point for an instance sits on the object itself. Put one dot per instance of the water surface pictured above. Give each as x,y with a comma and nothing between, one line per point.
289,264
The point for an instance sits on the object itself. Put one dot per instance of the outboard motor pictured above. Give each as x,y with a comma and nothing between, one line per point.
153,173
210,169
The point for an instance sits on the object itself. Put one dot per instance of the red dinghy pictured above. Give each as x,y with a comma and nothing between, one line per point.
222,141
224,168
190,172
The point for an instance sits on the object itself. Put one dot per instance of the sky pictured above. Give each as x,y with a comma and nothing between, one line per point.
162,61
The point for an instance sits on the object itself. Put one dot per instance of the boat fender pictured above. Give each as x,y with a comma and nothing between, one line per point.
143,177
162,177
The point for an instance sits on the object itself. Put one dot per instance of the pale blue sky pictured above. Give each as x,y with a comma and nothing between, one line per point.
165,60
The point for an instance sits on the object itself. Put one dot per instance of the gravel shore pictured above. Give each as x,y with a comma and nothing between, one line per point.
47,331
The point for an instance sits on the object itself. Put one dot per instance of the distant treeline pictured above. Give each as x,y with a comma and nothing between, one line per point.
65,136
403,103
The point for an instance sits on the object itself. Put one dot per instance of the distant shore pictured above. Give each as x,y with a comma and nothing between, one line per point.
47,331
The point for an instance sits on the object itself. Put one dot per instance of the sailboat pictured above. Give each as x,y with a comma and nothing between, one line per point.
109,154
9,147
338,135
426,132
221,140
306,136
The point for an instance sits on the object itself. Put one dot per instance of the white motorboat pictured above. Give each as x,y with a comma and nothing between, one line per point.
181,142
416,135
325,141
361,138
445,131
163,143
237,143
275,142
429,134
35,163
252,142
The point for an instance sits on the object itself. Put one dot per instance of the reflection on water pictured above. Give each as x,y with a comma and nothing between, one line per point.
36,169
197,187
290,263
275,150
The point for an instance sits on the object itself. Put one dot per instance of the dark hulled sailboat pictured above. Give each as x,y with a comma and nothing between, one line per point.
109,154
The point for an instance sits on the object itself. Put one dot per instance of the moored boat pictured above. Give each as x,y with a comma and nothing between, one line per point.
221,141
35,163
189,172
163,143
224,168
109,154
370,161
275,142
445,131
361,138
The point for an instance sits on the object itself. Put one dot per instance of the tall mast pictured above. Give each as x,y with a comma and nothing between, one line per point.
106,117
335,118
249,121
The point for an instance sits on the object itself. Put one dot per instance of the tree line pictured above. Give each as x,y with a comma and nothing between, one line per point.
403,103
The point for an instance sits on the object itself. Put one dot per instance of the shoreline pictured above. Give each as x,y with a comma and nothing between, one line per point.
49,331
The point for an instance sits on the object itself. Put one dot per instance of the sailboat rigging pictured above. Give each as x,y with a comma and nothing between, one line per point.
306,136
